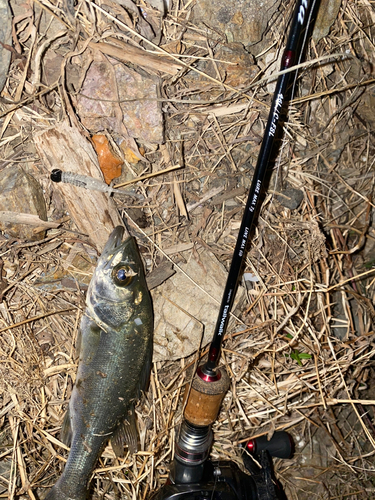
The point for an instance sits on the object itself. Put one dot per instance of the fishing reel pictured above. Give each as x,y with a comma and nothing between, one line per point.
194,477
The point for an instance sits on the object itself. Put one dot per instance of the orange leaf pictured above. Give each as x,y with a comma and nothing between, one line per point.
109,163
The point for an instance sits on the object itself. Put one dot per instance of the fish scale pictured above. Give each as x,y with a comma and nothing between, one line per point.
114,365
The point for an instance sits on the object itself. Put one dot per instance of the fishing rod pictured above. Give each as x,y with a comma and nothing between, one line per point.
192,475
292,56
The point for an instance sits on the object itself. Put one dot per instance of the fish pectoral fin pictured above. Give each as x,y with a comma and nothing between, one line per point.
66,432
126,433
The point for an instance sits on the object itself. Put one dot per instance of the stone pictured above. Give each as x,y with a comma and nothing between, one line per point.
21,193
240,72
290,198
327,14
97,102
183,312
114,95
142,118
242,21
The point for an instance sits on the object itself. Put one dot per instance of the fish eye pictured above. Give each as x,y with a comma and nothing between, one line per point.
123,275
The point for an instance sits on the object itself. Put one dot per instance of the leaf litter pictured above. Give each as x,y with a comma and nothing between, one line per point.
168,89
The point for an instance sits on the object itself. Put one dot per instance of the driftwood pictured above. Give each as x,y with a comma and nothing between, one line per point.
93,212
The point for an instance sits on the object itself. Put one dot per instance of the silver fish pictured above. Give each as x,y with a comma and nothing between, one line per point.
114,365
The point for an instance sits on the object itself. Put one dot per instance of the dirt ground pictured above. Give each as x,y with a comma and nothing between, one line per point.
169,102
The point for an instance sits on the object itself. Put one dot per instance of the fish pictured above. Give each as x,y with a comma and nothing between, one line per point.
115,355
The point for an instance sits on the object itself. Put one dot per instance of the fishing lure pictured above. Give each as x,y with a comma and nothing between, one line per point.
86,182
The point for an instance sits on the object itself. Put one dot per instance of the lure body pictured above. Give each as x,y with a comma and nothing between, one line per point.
86,182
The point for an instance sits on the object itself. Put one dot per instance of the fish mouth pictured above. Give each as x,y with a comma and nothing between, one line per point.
115,238
114,241
115,249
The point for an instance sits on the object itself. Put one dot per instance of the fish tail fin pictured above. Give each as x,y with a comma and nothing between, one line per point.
126,433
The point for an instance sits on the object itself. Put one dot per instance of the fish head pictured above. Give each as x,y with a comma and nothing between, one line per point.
118,282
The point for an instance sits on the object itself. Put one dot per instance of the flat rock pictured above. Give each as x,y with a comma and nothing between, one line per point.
97,102
242,21
183,312
142,118
21,193
113,95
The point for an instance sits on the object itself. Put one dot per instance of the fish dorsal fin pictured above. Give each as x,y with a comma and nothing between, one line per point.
66,429
126,433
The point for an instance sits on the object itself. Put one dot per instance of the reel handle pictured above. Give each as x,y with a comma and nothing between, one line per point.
281,445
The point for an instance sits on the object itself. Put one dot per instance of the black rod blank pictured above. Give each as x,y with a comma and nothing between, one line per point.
298,30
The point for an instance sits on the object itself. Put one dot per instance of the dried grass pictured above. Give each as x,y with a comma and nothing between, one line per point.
302,356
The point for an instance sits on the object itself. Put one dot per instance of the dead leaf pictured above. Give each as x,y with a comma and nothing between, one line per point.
109,162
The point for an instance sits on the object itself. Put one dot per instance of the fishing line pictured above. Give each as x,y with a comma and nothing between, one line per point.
91,183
